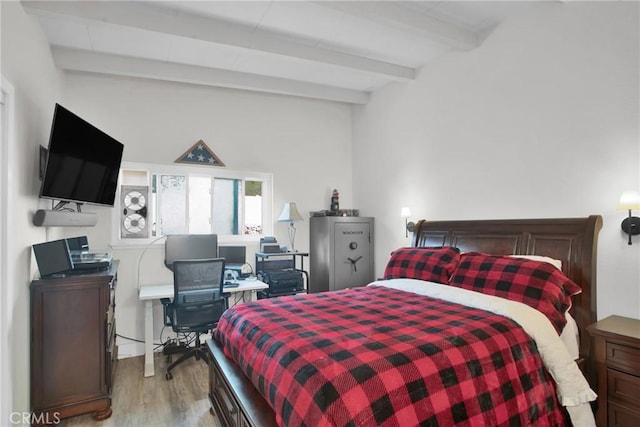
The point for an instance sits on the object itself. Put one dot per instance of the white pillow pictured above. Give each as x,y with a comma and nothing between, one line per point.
555,262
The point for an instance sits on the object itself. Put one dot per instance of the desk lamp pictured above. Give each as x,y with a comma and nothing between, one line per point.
291,215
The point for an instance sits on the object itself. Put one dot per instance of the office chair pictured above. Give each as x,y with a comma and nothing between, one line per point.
198,302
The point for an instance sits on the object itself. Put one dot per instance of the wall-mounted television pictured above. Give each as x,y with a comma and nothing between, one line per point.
83,162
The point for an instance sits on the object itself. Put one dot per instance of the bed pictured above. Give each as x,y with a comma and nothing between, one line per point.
244,386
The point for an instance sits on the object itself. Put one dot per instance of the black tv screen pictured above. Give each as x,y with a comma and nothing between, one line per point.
83,162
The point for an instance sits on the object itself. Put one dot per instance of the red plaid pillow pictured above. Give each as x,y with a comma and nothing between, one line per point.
535,283
430,264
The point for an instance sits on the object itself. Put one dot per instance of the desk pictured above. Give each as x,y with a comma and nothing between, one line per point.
148,293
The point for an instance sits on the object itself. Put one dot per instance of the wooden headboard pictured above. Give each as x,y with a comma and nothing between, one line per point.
570,240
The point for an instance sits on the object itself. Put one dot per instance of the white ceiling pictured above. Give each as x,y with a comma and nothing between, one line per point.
335,50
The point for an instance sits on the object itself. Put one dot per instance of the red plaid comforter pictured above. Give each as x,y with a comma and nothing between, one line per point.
378,356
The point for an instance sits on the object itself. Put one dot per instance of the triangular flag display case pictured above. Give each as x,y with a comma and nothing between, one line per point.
200,154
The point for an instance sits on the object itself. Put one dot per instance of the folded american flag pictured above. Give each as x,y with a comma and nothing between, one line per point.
379,356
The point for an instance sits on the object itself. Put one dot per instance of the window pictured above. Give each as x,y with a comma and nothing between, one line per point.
157,200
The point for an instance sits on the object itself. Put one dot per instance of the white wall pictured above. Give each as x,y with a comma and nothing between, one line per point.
305,144
27,65
540,121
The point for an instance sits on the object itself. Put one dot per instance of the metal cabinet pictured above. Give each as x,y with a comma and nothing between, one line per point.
340,252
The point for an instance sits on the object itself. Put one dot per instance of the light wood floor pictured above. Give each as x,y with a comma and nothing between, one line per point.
153,401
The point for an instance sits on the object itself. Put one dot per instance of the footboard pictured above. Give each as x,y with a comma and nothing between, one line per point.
233,398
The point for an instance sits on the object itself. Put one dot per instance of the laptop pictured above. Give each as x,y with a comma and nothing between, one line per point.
53,257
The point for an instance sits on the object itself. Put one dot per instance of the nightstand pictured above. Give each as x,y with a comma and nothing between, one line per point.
617,356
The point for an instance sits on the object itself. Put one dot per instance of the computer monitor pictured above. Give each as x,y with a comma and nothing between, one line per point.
189,246
233,255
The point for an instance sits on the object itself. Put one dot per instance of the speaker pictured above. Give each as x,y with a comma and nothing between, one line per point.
133,223
44,218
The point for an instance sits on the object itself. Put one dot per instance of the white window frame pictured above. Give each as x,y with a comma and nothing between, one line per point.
157,169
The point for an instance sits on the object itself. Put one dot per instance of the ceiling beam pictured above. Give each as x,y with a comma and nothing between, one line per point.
395,15
82,60
140,15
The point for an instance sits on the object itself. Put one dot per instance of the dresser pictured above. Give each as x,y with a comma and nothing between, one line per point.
617,356
73,345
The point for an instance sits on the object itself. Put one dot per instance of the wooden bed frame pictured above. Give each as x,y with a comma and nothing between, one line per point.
571,240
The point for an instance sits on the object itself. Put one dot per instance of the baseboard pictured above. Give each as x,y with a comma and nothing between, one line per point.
128,349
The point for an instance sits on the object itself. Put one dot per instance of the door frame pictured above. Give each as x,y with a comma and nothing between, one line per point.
7,142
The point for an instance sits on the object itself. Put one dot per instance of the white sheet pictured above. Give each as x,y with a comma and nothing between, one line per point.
572,388
570,337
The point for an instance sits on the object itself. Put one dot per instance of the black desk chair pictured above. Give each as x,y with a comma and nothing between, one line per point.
198,302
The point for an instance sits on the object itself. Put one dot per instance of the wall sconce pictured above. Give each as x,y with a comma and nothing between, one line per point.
291,215
408,225
630,200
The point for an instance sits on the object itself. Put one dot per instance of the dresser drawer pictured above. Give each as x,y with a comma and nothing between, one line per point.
623,357
623,388
622,416
222,399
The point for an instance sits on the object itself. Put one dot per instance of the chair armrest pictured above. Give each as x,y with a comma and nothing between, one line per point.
166,309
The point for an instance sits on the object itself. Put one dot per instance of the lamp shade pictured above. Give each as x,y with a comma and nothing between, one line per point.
629,200
405,212
289,213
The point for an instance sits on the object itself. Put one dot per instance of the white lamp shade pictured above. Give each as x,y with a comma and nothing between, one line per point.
629,199
405,212
289,213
